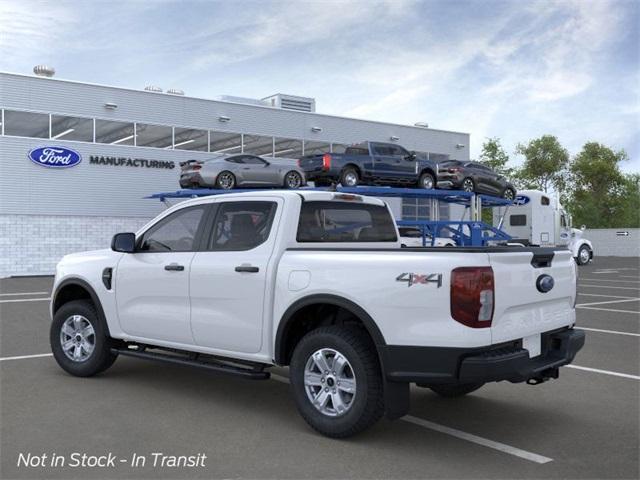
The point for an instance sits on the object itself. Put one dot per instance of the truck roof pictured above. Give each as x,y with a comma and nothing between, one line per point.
306,195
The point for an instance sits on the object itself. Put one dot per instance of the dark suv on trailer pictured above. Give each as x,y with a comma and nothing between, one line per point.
474,177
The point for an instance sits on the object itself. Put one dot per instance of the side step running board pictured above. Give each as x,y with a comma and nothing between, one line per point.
213,365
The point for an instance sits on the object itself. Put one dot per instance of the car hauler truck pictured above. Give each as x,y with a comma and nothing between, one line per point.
537,219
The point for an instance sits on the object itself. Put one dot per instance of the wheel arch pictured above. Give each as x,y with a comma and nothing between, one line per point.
77,289
431,171
285,336
355,166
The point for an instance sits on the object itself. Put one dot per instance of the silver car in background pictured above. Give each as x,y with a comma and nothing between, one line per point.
241,170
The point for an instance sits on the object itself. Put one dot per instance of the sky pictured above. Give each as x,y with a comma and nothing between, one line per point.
508,69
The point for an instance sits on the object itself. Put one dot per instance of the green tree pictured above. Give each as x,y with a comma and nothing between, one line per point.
600,195
495,157
545,164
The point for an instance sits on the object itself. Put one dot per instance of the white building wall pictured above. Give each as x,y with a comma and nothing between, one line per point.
33,244
612,241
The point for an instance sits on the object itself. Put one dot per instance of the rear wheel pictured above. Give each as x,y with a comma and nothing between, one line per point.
427,181
584,255
79,339
226,180
293,179
458,390
349,177
468,185
336,381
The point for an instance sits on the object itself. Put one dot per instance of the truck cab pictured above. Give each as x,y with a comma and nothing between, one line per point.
537,219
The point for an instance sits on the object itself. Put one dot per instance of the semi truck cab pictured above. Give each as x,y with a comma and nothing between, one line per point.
537,219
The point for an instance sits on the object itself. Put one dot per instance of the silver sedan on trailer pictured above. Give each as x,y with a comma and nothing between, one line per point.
242,170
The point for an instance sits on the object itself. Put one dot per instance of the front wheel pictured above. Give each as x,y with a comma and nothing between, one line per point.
584,255
468,185
451,391
336,381
509,194
427,181
79,339
293,180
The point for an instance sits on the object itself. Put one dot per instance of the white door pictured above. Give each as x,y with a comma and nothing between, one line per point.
228,280
152,284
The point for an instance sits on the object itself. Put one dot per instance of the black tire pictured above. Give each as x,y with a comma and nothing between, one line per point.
584,255
509,194
427,181
451,391
368,403
221,180
287,182
468,185
100,358
349,177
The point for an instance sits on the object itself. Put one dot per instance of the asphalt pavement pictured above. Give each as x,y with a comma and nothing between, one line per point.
583,425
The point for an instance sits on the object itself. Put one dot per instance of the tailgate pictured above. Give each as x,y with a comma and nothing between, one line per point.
521,309
311,163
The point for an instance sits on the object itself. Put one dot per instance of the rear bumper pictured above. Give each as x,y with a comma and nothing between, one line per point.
190,180
443,365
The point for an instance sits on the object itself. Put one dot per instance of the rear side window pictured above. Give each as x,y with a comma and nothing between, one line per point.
357,151
174,233
545,201
241,226
345,222
518,220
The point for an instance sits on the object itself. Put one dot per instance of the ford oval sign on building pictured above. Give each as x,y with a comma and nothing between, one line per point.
55,157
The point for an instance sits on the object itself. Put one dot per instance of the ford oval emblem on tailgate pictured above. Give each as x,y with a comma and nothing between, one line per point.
55,157
545,283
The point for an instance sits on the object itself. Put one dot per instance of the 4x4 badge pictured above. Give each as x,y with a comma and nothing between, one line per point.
417,278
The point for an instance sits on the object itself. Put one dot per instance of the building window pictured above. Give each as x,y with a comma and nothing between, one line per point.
315,148
158,136
338,148
225,142
26,124
114,133
287,148
258,145
416,209
438,157
71,128
190,139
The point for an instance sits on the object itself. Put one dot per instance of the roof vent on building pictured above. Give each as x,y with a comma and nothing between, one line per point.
44,71
291,102
153,88
175,91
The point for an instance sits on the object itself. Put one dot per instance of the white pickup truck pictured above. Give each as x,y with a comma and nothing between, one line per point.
316,281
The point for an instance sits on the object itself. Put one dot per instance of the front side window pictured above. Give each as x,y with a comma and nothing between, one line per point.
240,226
345,222
174,233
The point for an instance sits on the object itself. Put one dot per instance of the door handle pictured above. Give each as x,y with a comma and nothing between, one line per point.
174,267
247,269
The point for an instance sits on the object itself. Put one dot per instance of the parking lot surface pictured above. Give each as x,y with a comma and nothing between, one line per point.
586,424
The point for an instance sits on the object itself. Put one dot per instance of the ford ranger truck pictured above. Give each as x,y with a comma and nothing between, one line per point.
371,163
316,281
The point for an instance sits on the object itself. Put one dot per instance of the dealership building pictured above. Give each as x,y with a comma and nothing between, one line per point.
127,144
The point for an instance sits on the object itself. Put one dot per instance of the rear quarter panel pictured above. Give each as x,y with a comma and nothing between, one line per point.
406,315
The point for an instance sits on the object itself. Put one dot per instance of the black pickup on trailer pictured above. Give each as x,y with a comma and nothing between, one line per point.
371,163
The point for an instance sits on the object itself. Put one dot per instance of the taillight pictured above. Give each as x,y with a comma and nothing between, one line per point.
454,170
196,167
326,161
299,162
472,296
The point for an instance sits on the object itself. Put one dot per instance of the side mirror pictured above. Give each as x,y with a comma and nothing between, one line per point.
583,228
124,242
412,156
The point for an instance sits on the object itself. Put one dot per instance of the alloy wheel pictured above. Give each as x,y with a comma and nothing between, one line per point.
293,180
350,179
330,382
226,181
467,185
77,338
